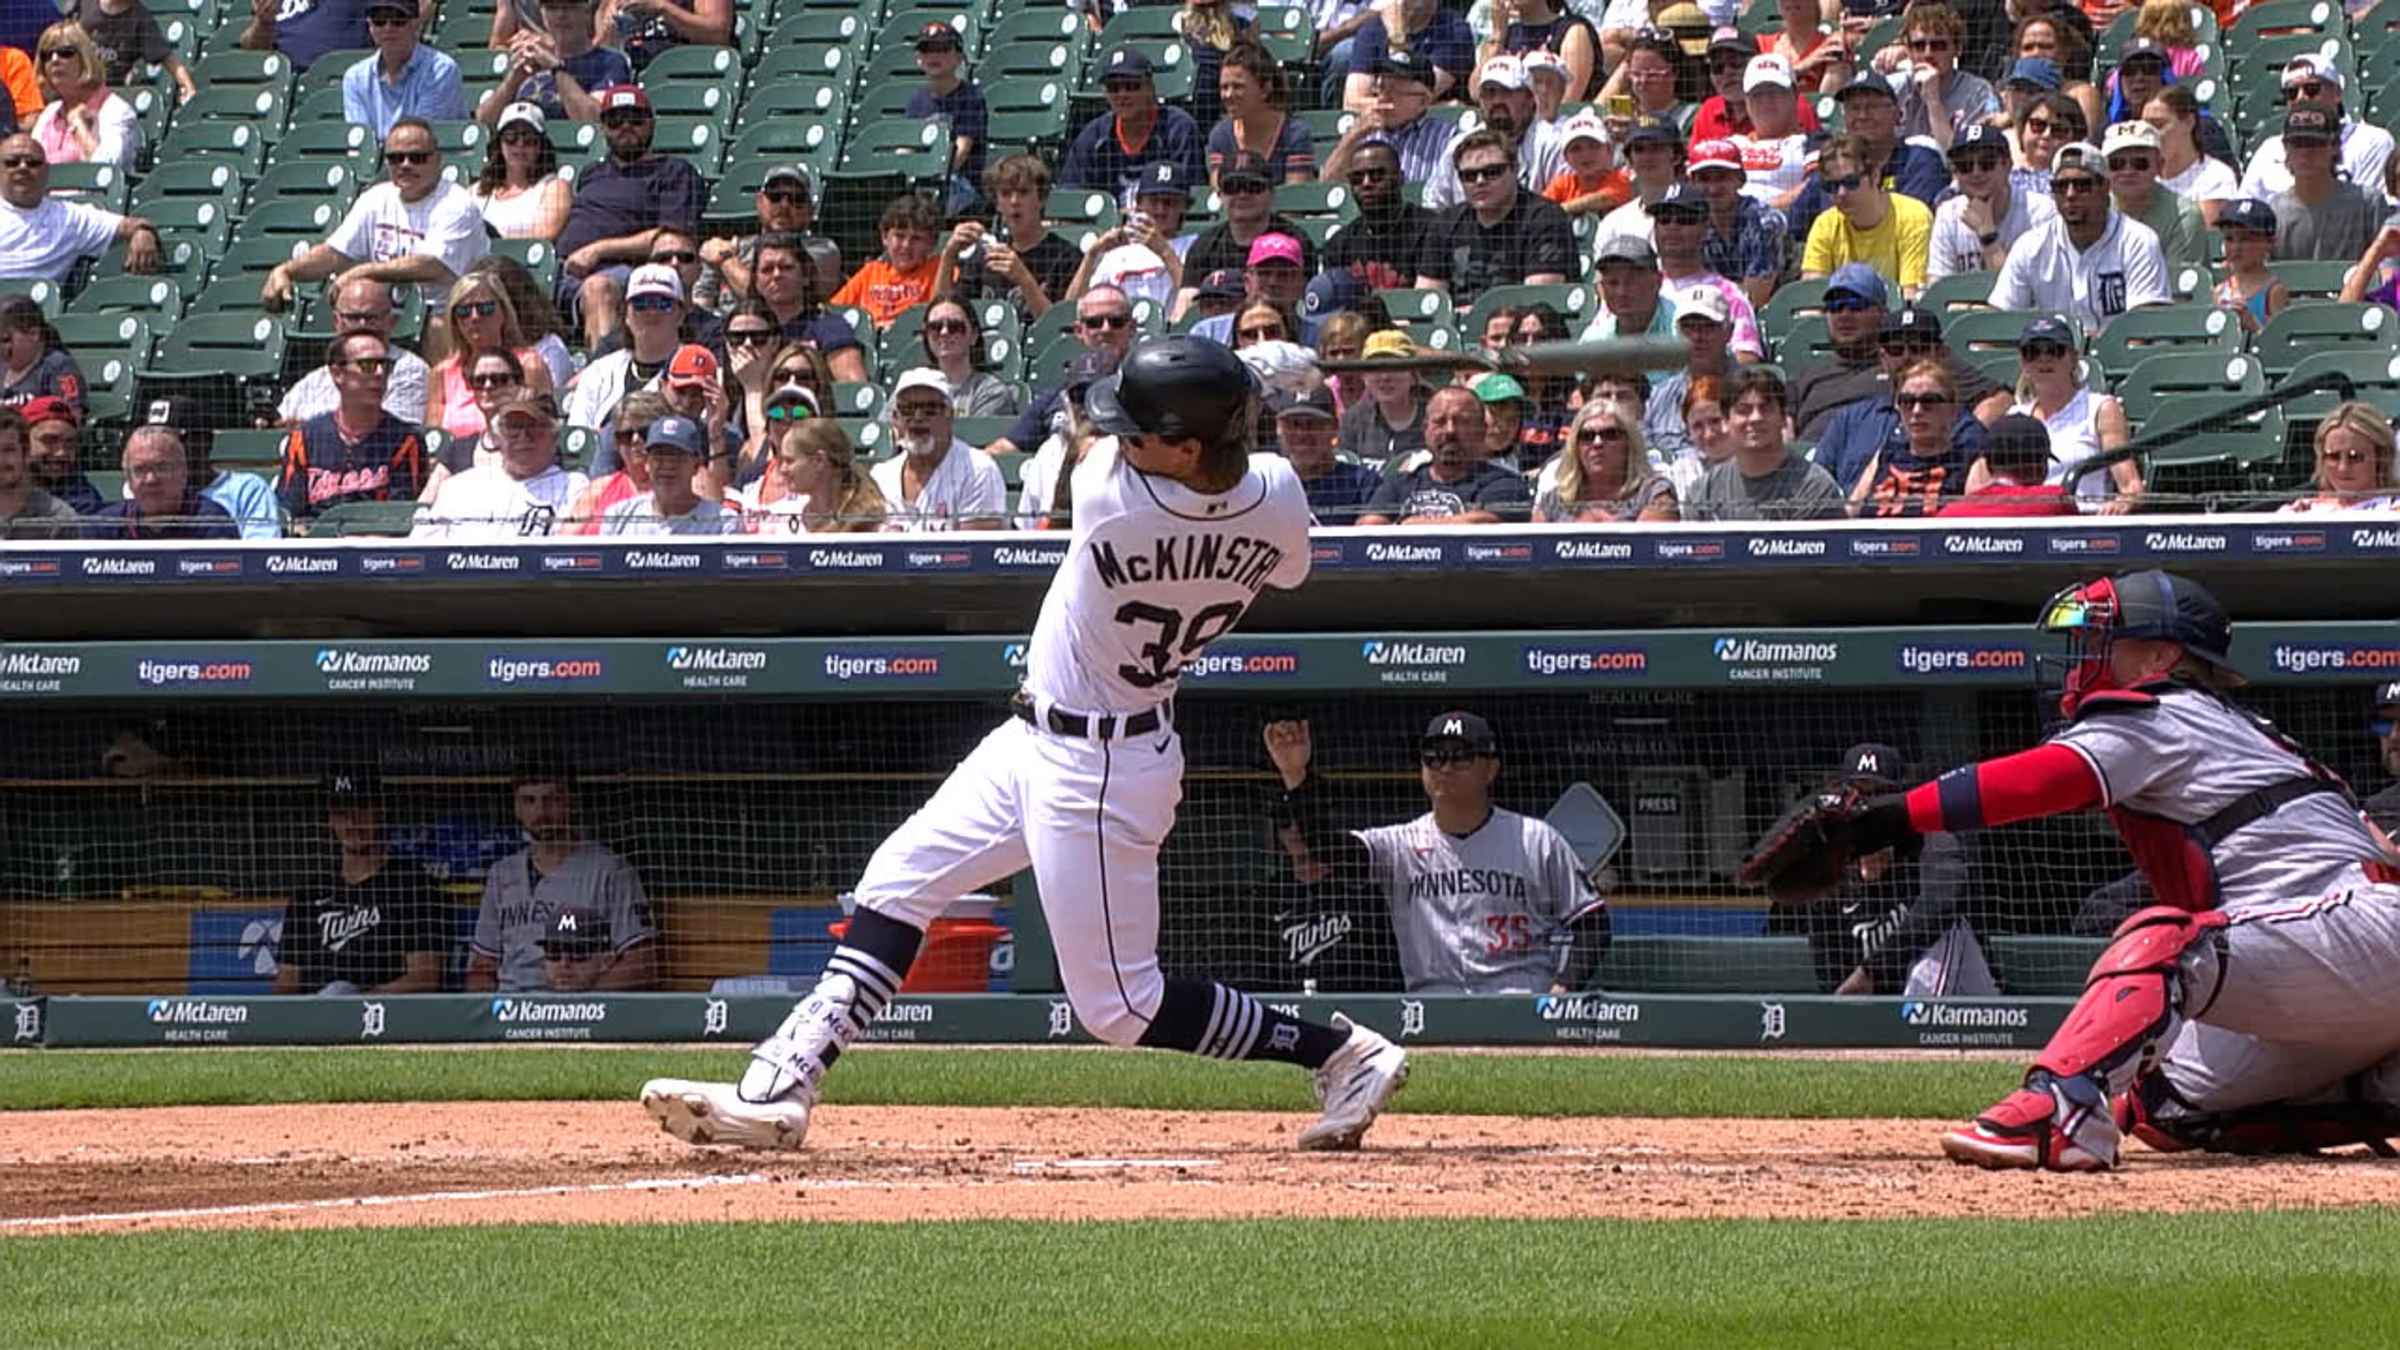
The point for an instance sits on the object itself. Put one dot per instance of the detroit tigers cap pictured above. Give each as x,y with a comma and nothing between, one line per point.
575,932
1462,726
2247,213
1126,63
1315,405
1979,139
1165,178
1873,762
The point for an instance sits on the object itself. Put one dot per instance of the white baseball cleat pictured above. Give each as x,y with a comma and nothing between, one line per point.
714,1113
1354,1087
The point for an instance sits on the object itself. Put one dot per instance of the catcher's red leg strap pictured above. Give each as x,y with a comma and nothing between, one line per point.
2159,1117
2163,963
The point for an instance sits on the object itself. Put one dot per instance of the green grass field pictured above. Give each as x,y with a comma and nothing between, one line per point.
2291,1278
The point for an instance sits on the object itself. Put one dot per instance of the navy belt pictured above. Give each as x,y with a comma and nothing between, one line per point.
1094,727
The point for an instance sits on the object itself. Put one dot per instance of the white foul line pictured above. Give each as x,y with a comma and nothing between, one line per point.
1043,1164
419,1198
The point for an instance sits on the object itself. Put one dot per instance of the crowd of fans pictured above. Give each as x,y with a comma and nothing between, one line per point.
1674,169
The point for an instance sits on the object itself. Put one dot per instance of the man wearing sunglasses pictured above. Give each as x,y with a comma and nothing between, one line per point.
1936,99
786,204
1871,112
1504,94
654,311
1888,231
1500,236
1402,83
362,304
1380,247
404,78
1248,192
1113,148
937,481
358,452
1972,230
2363,150
1483,900
2319,216
557,67
1872,426
1103,323
525,493
413,227
619,206
2089,263
43,237
304,30
2132,151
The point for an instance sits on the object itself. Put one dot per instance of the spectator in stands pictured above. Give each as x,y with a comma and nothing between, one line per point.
1890,232
379,925
628,436
1537,148
1434,39
1018,256
558,67
785,204
1604,475
781,272
1745,240
1275,277
34,362
495,377
2080,423
816,486
2009,479
2365,149
1504,404
1680,224
1592,183
2050,123
84,120
2354,463
695,387
1936,99
129,38
1775,147
362,304
1143,255
1654,165
1548,72
477,318
1041,504
1456,484
1337,24
404,78
1727,107
1307,428
357,451
1866,426
519,190
2089,262
2247,287
2185,166
2383,809
1879,155
304,30
675,448
1113,148
952,343
1520,27
1657,74
949,94
1913,473
618,204
644,28
2319,217
1500,236
524,493
27,510
247,497
2052,56
54,452
2142,70
416,226
902,279
1343,337
1763,479
1388,424
778,384
1972,229
1708,440
160,501
937,481
1402,85
1258,119
1704,322
670,247
42,237
1627,268
1856,304
537,318
1103,321
558,871
1248,192
2375,276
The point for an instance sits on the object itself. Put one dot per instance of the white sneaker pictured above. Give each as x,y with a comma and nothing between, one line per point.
1354,1087
714,1113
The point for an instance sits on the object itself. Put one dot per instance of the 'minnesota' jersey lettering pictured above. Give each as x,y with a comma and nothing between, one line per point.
1481,913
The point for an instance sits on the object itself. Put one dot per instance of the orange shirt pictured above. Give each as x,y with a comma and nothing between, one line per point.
885,293
1567,187
24,87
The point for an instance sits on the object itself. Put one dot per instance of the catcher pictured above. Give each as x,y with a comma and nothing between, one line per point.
2255,1007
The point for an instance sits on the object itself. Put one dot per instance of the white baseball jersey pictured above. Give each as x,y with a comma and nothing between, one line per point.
486,504
966,485
2123,269
1478,914
1154,573
1955,248
518,905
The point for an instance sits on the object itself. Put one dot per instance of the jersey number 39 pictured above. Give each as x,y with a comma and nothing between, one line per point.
1177,641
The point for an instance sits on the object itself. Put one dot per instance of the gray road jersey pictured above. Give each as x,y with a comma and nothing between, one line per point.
1478,915
516,911
2191,756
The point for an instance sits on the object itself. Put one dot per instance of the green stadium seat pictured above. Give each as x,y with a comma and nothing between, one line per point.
899,32
351,519
1573,299
1287,32
1708,965
706,102
1315,201
2255,24
159,297
111,348
2374,378
982,431
2217,457
1791,300
1975,332
102,185
1808,338
264,109
205,223
2305,329
2156,380
1070,209
1957,291
294,218
236,68
250,449
697,141
234,143
461,144
2309,279
538,256
326,71
782,141
215,358
796,97
1150,23
720,67
857,399
2158,329
204,180
1039,24
330,181
254,258
317,142
41,291
319,105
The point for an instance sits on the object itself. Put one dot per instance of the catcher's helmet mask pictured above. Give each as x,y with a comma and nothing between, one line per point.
2149,604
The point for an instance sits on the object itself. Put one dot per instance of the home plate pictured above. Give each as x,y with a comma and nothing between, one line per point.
1107,1164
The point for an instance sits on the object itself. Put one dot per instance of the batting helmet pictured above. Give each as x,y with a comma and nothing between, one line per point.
1177,388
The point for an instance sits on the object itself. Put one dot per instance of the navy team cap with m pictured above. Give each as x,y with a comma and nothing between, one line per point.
575,932
1462,726
2387,694
1872,761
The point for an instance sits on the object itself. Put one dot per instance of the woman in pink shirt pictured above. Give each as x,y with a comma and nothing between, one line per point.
478,318
84,121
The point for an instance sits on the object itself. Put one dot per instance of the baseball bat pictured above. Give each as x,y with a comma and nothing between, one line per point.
1600,356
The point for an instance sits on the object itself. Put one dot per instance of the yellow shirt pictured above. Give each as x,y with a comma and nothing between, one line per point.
1896,249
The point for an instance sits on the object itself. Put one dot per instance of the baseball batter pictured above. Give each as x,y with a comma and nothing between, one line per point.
1178,527
1482,900
2256,1006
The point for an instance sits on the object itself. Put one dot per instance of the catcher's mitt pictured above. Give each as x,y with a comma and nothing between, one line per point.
1804,855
